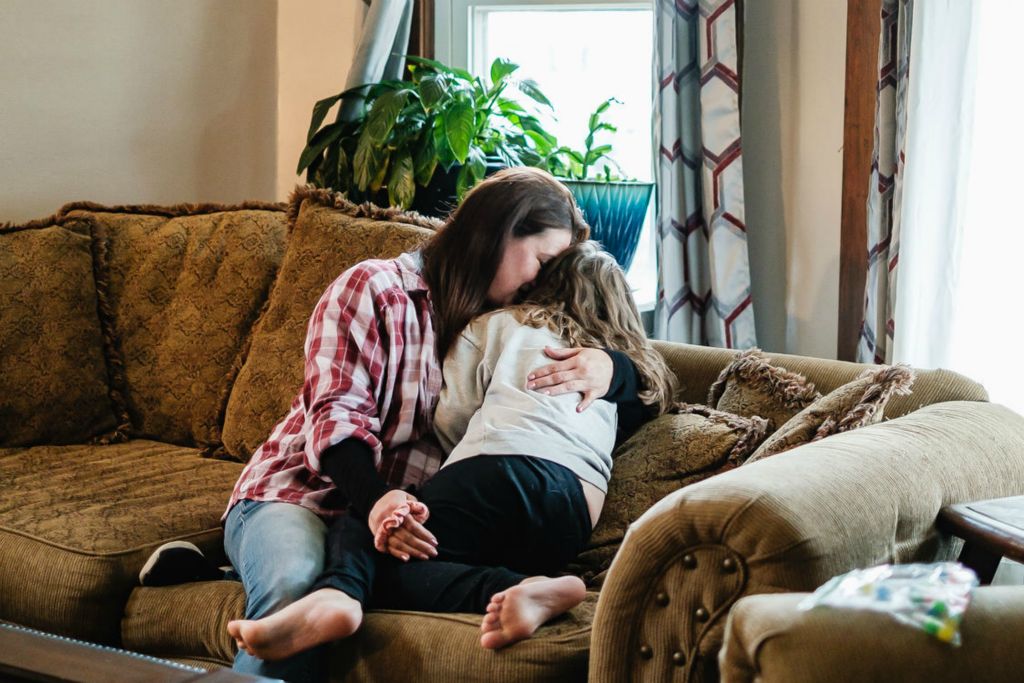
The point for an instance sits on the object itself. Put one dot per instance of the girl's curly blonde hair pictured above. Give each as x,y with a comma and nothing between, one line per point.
583,296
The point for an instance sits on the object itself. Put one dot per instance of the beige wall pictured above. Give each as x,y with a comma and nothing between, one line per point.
795,56
316,40
162,101
135,101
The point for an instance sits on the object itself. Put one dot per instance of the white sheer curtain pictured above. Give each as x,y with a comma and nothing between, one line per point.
939,127
989,321
961,272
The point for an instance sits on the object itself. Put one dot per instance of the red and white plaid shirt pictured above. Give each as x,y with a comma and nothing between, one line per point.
371,373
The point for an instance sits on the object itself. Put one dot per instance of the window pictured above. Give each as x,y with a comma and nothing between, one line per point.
580,54
959,277
988,325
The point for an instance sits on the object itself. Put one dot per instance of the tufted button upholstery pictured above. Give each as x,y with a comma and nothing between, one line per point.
682,609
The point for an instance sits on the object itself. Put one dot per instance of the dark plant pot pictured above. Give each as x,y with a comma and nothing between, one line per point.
438,198
615,212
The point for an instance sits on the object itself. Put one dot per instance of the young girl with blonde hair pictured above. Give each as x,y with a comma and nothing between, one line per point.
521,488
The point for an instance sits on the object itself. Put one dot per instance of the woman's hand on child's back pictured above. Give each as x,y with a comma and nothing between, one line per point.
401,535
586,371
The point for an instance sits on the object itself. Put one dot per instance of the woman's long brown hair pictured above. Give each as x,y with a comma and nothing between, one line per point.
583,296
460,262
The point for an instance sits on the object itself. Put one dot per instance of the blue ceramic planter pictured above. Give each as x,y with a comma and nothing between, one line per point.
615,212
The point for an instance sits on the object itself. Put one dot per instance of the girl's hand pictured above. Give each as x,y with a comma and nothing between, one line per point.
582,370
411,539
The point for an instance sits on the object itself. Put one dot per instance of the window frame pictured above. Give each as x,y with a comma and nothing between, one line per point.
863,21
456,17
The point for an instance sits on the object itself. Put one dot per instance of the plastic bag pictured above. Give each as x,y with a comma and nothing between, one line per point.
932,597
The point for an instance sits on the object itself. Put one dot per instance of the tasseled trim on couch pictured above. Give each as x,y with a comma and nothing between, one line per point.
337,200
886,381
47,222
171,211
111,343
754,428
792,389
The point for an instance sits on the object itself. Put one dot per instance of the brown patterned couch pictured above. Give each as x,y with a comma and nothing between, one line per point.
145,352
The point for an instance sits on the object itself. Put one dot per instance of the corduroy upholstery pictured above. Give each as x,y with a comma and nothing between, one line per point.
789,523
201,318
769,641
191,620
77,522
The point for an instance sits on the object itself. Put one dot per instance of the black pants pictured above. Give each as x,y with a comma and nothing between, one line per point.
497,520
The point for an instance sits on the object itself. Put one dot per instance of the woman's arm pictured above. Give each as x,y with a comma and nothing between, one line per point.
624,393
347,354
349,464
346,358
597,374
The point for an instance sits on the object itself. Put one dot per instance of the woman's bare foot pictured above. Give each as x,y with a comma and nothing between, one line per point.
320,617
515,613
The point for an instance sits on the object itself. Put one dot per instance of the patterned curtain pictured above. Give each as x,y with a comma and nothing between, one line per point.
885,196
703,269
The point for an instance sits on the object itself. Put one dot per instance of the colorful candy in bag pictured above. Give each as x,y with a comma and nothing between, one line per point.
931,597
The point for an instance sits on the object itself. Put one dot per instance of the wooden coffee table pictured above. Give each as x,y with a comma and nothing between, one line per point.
992,529
30,655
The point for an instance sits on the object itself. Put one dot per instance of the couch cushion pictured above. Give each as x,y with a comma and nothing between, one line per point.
328,234
699,366
190,621
54,386
665,454
78,522
752,385
855,404
185,284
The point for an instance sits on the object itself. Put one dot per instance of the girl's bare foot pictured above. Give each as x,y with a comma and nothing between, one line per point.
320,617
514,614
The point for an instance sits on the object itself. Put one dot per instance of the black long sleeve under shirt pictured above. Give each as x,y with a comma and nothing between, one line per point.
349,463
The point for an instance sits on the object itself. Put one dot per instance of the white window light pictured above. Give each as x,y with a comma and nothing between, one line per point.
580,52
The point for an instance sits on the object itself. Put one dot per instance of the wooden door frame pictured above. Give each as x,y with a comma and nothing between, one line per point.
421,37
863,26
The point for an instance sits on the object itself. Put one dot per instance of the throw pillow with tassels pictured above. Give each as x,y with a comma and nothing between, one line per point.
855,404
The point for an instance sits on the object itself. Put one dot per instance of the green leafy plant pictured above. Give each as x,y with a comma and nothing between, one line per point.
442,117
566,162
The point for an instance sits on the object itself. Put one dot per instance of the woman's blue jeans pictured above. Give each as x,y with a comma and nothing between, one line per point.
277,549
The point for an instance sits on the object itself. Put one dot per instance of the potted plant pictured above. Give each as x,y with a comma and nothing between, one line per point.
614,206
422,143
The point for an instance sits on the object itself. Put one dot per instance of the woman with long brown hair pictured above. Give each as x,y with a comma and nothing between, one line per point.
521,488
358,434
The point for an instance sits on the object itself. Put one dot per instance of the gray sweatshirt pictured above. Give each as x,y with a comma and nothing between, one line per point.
485,408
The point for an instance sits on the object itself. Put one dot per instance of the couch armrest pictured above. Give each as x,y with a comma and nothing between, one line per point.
767,639
789,523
